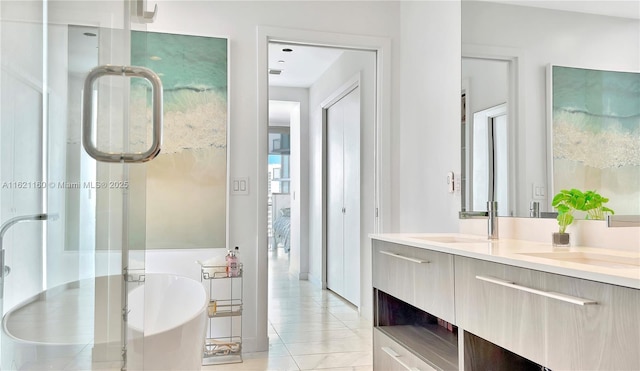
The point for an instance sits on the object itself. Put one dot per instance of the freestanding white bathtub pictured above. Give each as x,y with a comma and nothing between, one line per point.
167,324
174,317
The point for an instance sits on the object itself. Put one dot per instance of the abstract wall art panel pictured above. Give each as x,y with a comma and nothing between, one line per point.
187,183
595,134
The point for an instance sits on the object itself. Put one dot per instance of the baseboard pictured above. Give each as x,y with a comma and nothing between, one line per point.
252,345
316,281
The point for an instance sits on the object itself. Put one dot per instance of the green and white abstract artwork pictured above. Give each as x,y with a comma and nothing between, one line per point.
187,183
595,134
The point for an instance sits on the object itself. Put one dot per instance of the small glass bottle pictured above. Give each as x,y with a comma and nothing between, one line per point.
233,267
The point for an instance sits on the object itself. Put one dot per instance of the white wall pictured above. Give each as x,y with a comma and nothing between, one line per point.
542,37
427,145
238,21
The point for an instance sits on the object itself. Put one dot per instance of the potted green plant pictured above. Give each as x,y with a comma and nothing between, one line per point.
566,202
594,206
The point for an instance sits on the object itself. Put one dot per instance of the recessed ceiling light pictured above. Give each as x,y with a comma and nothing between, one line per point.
155,58
90,34
281,61
287,50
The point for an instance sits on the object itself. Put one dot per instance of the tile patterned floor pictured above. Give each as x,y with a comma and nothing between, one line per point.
309,328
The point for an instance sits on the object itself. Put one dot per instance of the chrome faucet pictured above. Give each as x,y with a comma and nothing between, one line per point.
492,225
534,209
8,224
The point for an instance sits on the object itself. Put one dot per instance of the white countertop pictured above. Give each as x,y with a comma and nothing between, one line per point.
512,252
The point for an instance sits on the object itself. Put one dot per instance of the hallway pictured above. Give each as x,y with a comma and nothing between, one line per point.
309,328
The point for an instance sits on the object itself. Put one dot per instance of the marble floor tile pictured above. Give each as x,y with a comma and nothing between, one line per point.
358,324
347,316
316,336
280,363
333,346
354,368
333,360
308,326
278,318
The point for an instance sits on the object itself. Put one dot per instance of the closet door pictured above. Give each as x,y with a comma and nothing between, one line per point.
335,190
343,197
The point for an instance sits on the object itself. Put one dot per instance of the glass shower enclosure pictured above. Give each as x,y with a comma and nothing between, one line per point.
77,127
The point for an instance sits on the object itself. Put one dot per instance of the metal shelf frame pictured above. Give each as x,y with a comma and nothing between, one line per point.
225,311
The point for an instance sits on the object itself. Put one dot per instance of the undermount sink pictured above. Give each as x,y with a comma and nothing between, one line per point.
602,260
449,239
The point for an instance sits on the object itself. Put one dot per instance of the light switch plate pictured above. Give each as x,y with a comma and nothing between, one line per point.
538,191
240,186
450,182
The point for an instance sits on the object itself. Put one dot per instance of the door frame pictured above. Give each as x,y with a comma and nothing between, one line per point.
382,142
515,109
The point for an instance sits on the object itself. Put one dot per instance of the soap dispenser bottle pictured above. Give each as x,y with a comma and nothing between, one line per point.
233,268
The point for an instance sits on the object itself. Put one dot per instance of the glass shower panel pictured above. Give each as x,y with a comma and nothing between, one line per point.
22,101
73,228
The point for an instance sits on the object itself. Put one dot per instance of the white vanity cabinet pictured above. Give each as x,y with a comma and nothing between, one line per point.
561,322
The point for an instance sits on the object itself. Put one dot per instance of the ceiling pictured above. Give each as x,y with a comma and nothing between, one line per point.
614,8
300,65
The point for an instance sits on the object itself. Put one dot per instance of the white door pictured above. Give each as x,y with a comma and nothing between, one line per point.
343,197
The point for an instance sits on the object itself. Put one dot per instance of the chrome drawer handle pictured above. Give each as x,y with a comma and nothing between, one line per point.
87,114
396,356
414,260
548,294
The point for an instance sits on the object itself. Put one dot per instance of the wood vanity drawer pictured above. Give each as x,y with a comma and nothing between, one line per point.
510,318
561,322
393,274
420,277
390,356
601,336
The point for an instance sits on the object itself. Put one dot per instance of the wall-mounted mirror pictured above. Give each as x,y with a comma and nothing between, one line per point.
506,51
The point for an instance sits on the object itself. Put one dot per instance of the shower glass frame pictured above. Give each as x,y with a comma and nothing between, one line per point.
79,266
